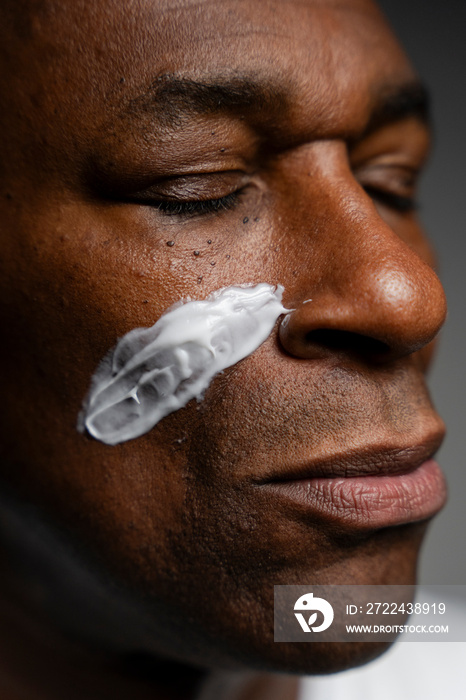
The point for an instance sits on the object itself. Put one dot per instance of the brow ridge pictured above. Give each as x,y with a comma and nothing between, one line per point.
172,99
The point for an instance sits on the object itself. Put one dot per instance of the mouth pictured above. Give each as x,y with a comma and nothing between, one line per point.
369,490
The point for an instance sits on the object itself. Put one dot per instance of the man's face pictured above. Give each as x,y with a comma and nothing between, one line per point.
162,150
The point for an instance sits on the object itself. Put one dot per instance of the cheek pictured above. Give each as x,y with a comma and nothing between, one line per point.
80,283
71,291
74,291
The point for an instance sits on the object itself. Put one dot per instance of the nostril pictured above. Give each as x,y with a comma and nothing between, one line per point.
347,342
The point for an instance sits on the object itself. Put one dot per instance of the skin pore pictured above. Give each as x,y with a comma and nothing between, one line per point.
155,151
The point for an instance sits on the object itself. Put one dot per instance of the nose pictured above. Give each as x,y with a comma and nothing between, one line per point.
364,290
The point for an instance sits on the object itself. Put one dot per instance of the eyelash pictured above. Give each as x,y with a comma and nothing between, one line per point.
173,207
404,205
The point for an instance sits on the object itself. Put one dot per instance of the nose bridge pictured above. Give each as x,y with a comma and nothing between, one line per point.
370,282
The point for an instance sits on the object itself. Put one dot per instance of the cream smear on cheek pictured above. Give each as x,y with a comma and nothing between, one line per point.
154,371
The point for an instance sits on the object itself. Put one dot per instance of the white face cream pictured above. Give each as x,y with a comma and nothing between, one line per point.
154,371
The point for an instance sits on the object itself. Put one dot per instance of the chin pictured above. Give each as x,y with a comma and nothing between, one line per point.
241,636
319,658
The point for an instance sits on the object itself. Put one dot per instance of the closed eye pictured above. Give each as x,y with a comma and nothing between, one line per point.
176,207
402,204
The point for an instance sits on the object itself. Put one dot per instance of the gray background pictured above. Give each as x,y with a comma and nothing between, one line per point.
434,34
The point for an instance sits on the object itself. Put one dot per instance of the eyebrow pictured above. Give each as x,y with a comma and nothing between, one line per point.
395,103
172,98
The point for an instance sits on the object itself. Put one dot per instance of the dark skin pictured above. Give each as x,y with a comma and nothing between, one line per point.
303,126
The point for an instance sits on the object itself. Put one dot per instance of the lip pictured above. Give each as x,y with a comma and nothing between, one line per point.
370,502
367,491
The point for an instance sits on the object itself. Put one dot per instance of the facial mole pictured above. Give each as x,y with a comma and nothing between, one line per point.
245,220
222,150
212,263
170,243
257,219
209,241
196,253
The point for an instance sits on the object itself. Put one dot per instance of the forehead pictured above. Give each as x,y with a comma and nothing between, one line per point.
115,50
